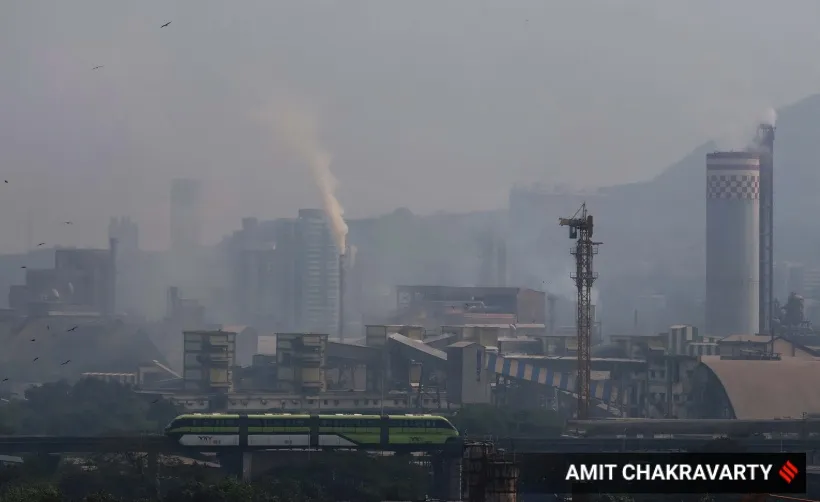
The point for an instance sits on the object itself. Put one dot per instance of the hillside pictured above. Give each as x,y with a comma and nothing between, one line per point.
674,200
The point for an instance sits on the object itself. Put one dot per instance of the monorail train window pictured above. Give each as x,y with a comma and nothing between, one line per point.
256,422
349,423
283,422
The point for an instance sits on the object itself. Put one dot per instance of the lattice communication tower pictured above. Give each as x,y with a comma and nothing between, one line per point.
580,229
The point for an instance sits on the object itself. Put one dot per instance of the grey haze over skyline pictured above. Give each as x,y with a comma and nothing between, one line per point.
422,104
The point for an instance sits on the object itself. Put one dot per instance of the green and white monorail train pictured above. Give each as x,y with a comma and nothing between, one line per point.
312,431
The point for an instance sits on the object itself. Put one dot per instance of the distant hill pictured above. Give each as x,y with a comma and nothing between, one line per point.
674,199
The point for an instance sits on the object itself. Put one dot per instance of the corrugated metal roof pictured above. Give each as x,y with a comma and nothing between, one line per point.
747,338
234,328
409,342
461,345
768,389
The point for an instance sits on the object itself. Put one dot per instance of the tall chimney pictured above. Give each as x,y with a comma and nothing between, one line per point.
342,274
172,302
111,301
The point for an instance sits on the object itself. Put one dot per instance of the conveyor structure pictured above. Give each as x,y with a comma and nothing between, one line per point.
418,351
603,392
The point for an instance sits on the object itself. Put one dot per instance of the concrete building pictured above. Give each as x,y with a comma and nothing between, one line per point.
317,266
477,303
301,362
468,381
81,280
732,243
209,358
285,274
186,215
127,234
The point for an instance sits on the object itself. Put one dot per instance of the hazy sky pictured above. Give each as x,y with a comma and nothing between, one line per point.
433,105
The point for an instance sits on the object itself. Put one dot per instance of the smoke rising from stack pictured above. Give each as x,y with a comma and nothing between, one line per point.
769,117
740,134
297,127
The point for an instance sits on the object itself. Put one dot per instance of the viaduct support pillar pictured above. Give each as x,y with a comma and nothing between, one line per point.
246,463
446,482
236,464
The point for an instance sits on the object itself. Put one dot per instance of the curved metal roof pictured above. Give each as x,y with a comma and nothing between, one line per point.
768,389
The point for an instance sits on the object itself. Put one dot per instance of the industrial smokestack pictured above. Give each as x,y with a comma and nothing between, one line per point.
732,243
764,145
111,301
342,274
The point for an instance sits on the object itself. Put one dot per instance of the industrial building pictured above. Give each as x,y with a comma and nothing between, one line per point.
732,243
449,305
679,373
82,280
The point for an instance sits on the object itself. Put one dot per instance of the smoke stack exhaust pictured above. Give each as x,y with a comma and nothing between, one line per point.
111,301
342,274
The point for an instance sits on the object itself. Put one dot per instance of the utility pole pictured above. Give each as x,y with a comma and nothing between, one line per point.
580,229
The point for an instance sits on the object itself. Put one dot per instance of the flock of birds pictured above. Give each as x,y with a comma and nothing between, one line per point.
41,244
48,327
99,67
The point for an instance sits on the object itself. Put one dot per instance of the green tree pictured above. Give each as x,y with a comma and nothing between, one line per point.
490,420
89,407
31,493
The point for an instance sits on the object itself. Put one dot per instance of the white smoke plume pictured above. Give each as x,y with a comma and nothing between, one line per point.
297,126
738,134
769,117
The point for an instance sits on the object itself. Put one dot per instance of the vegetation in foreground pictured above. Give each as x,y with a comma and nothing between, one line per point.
93,407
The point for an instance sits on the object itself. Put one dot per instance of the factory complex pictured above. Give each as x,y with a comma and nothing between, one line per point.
300,339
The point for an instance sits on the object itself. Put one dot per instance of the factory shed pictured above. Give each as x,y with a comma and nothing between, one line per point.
756,389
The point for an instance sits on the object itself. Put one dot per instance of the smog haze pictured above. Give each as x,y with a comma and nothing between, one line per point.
416,101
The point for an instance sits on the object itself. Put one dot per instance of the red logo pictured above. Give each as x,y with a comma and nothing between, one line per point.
788,472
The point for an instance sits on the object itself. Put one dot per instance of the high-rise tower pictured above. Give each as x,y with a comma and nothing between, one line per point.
318,274
732,243
186,215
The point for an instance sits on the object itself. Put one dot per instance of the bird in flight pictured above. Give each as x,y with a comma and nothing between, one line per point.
33,339
66,362
67,223
38,357
98,67
72,329
23,266
5,379
155,401
41,244
166,24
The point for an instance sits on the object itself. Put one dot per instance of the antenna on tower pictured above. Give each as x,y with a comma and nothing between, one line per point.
580,229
